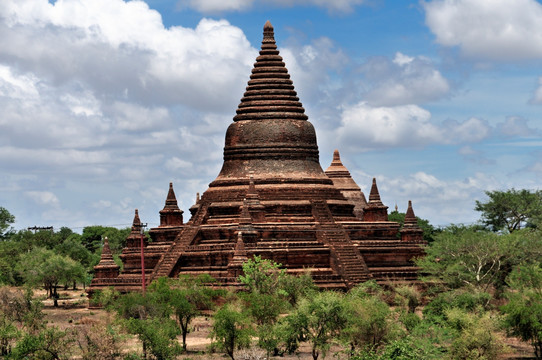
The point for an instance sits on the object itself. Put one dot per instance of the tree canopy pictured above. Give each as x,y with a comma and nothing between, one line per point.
511,210
6,219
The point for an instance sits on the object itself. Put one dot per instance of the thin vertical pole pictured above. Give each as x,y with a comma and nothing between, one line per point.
143,283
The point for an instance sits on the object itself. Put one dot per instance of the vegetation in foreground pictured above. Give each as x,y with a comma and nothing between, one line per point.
481,284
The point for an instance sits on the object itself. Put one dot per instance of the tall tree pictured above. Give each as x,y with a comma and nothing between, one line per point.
524,311
6,219
511,209
319,319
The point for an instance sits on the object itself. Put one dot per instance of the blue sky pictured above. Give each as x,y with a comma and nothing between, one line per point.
104,102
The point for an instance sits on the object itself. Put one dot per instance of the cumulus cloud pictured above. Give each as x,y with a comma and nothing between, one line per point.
43,198
403,80
441,200
313,67
364,126
515,126
501,30
102,92
121,49
218,6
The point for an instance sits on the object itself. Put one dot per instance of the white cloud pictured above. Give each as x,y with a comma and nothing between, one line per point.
175,164
501,30
441,201
217,6
364,126
43,198
515,126
214,6
403,80
537,97
468,131
123,51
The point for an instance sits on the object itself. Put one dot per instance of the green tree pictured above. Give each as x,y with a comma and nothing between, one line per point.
187,297
50,343
466,256
523,313
510,210
148,317
262,276
318,320
6,219
231,329
42,266
368,323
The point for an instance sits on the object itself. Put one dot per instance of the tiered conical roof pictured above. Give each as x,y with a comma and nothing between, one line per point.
270,93
410,218
342,179
171,215
270,135
106,259
374,195
134,238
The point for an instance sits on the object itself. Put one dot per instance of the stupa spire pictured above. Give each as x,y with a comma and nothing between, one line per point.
342,179
171,199
411,232
268,32
136,223
375,210
410,218
171,215
374,195
106,257
270,92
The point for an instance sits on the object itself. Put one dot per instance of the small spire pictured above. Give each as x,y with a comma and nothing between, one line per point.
136,221
106,251
374,196
244,217
410,218
197,197
268,32
171,198
336,156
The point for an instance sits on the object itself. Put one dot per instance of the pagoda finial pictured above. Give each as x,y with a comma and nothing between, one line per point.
171,199
106,251
137,221
410,218
268,32
336,156
374,195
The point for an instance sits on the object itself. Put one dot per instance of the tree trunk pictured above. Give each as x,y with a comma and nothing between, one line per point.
315,354
55,297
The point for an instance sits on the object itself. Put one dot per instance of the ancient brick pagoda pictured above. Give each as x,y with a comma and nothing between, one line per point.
273,199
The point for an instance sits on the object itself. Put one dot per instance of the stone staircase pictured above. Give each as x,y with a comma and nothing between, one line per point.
350,263
165,265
